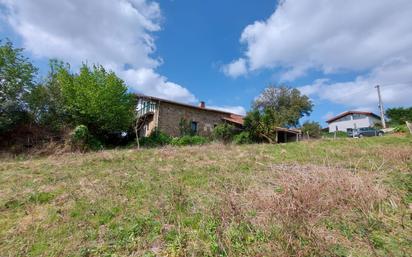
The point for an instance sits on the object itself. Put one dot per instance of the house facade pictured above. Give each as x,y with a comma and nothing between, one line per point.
173,117
353,120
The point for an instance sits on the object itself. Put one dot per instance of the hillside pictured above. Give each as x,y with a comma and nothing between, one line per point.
349,197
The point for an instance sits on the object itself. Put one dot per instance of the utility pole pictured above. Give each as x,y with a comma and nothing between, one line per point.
381,106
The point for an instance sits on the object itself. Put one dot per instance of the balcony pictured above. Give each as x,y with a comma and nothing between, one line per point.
145,108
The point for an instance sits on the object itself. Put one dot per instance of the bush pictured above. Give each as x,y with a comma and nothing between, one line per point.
401,129
189,140
242,138
156,138
81,139
224,132
311,128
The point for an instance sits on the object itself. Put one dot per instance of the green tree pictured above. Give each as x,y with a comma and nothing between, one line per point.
312,128
46,101
16,81
398,116
276,107
98,99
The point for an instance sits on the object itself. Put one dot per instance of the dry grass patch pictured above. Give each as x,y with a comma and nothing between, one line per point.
320,198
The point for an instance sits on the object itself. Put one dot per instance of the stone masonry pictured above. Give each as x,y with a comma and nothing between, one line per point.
170,116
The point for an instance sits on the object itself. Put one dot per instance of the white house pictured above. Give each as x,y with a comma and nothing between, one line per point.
352,120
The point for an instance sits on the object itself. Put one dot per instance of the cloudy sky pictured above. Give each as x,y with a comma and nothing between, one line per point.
226,52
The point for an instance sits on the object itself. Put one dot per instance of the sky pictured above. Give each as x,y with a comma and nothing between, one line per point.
226,52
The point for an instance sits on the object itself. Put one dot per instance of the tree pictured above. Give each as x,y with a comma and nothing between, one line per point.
399,115
276,107
46,103
311,128
98,99
16,81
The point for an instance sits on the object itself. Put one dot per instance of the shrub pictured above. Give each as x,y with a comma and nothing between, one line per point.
242,138
81,139
156,138
312,129
224,132
401,129
189,140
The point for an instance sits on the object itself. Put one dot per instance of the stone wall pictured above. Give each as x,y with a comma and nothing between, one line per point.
170,115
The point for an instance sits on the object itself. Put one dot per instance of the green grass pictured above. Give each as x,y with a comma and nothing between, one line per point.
345,197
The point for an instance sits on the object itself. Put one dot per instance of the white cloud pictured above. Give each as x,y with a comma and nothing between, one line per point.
232,109
154,84
114,33
236,68
395,79
329,36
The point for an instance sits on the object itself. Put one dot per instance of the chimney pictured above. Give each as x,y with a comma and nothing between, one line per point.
202,104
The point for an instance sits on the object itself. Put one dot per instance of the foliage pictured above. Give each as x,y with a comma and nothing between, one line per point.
276,107
46,101
311,128
82,140
156,138
98,99
79,138
285,105
189,140
224,132
185,127
16,80
242,138
401,129
398,116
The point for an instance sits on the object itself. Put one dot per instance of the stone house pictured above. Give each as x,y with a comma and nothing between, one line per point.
172,117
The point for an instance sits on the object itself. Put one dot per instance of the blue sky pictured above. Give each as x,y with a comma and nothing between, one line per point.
226,52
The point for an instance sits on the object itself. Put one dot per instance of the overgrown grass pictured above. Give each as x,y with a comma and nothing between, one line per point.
346,197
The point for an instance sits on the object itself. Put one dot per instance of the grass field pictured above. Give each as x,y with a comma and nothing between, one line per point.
348,197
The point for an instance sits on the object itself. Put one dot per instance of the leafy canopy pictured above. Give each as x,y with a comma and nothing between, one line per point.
399,116
46,102
311,128
277,106
97,99
16,80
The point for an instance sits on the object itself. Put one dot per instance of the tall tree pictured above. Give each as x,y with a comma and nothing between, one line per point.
16,81
276,107
46,101
98,99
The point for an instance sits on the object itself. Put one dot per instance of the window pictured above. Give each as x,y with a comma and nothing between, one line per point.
193,127
345,118
358,116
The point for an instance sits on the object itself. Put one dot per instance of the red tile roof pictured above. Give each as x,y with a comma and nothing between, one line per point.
238,119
